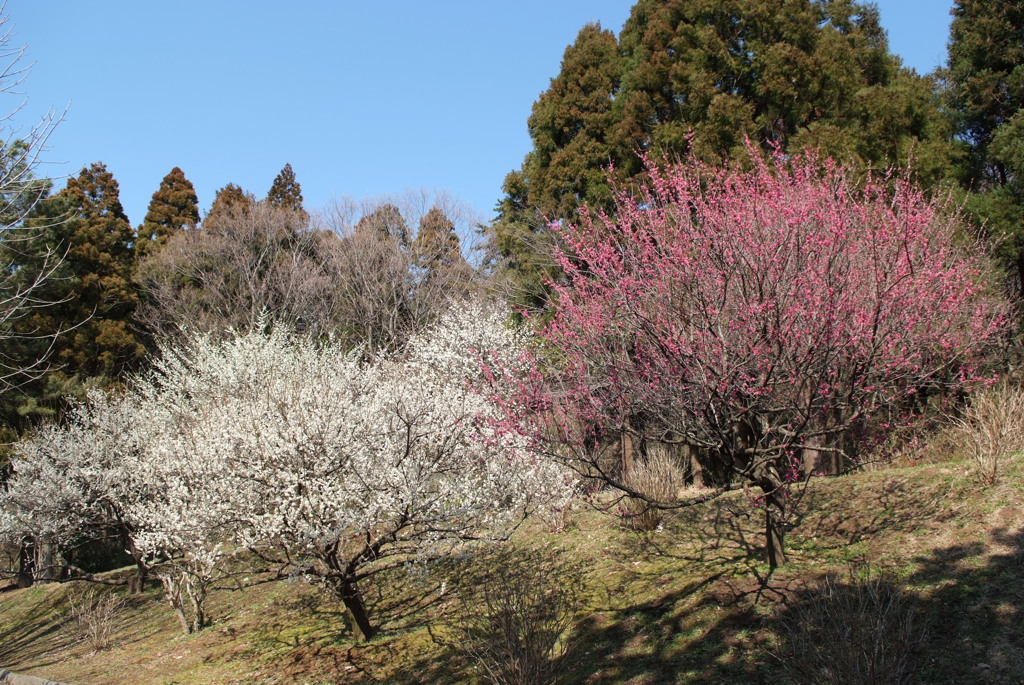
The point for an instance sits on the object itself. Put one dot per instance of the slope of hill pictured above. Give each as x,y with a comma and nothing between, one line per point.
689,603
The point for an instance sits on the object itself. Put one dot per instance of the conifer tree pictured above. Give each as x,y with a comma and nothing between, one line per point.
437,245
101,297
286,192
571,125
174,207
986,54
227,198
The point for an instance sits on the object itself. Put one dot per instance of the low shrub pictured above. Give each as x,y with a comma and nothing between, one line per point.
514,619
859,630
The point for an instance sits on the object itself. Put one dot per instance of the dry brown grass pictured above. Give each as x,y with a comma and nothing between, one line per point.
991,429
659,477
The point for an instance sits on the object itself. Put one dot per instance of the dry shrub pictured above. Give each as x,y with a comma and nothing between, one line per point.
659,477
92,614
515,616
860,631
991,429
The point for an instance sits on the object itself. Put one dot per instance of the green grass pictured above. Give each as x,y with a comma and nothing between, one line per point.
692,603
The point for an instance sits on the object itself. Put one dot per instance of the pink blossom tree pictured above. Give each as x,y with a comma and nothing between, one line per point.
750,314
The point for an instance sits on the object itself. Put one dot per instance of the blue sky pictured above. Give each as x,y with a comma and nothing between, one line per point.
362,98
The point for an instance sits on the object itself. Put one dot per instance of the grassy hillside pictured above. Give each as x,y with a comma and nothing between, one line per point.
689,603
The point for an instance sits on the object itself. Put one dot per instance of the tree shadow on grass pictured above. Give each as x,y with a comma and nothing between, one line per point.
958,618
313,639
973,605
32,635
705,631
892,505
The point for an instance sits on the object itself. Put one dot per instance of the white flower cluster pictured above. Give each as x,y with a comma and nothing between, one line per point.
298,450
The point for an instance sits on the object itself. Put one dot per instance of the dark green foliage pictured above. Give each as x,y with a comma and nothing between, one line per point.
29,266
793,73
571,128
174,208
20,190
95,296
986,72
986,89
519,247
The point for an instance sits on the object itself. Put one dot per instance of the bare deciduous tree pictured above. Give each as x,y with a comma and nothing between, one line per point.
27,261
352,272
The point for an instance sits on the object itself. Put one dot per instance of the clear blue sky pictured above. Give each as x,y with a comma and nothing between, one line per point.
362,97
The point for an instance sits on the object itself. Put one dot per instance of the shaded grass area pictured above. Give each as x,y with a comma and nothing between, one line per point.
691,603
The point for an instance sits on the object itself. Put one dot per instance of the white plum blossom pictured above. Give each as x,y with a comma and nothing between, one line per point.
80,478
331,466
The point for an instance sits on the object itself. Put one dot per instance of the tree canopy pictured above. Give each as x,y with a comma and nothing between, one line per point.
174,207
705,76
986,92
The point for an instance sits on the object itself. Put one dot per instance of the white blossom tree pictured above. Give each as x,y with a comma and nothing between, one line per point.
79,480
336,468
329,466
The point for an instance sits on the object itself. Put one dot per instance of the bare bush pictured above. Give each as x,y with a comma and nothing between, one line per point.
992,428
861,631
660,478
93,613
515,617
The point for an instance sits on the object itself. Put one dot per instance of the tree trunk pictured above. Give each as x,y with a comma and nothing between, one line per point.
1020,275
695,474
137,584
44,560
27,562
774,516
626,449
356,609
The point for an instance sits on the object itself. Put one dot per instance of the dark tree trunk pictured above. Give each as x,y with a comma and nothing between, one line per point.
137,584
356,609
626,450
774,516
27,562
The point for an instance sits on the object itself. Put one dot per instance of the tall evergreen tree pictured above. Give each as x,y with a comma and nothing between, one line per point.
794,73
174,207
437,244
286,192
986,71
100,299
227,199
571,125
986,88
